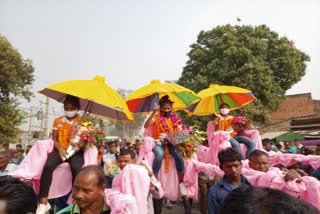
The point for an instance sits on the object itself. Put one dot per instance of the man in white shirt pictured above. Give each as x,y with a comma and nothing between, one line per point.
5,167
110,167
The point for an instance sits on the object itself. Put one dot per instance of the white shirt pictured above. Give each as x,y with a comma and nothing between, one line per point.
10,168
108,159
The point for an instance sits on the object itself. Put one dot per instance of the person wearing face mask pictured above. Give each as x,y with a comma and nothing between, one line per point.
164,123
224,122
64,128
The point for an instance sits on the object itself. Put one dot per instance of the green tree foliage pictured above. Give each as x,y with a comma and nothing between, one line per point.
254,58
16,77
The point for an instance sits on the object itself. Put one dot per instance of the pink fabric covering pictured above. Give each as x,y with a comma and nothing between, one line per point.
312,192
32,165
308,189
290,159
192,169
256,137
202,152
134,180
170,186
274,178
120,203
218,140
169,180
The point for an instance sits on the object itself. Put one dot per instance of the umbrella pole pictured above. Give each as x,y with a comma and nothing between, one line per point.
87,108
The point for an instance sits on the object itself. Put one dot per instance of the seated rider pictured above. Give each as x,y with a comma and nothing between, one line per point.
166,123
64,128
225,122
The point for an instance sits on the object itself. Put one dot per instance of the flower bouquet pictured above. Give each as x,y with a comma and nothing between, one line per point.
87,134
179,137
189,145
243,122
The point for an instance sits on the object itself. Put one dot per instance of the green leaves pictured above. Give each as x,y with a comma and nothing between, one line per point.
252,57
16,77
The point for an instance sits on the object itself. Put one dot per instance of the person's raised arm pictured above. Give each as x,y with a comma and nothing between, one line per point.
217,121
149,121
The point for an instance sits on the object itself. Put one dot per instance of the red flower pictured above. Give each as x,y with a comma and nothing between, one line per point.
188,147
84,135
91,139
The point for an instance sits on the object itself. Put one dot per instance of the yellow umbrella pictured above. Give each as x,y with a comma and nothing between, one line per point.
96,97
215,95
143,99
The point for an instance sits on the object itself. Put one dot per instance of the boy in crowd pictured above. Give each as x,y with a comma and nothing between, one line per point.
230,164
110,167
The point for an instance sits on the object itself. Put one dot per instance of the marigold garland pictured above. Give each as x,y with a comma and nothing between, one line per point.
164,128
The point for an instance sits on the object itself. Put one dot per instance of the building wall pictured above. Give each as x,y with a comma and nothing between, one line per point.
297,105
316,104
276,127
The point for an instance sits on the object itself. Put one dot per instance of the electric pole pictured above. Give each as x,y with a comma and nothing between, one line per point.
30,126
46,120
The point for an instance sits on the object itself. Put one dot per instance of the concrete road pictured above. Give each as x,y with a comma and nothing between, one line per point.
177,208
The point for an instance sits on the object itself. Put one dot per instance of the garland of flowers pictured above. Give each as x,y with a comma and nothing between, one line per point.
177,125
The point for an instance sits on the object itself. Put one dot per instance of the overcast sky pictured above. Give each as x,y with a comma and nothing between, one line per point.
131,42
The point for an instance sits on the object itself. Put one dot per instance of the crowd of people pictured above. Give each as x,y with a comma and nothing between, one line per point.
122,179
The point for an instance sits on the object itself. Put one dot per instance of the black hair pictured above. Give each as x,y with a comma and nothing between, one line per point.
266,140
252,200
19,145
257,153
29,146
72,100
19,197
165,100
137,141
229,155
224,104
100,145
113,142
94,169
127,152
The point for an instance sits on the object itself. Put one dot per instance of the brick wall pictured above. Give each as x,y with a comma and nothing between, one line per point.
316,104
297,105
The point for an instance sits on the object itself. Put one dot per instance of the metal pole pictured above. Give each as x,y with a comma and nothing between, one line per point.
30,127
46,120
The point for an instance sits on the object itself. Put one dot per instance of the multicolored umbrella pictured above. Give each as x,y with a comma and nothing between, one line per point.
143,99
215,95
96,97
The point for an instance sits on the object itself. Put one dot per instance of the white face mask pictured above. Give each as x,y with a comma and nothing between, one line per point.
70,113
224,111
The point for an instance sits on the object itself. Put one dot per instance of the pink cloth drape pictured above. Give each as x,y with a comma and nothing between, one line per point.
134,180
290,159
192,169
308,190
169,180
120,203
32,165
219,140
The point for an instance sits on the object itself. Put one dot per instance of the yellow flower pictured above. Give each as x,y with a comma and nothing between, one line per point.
87,124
